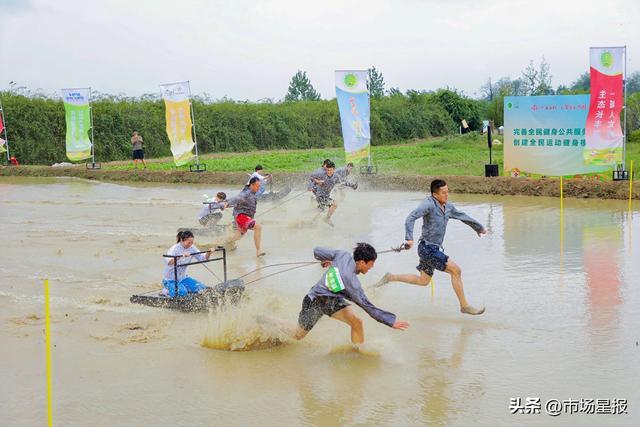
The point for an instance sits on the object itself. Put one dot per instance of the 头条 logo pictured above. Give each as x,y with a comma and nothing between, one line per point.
509,105
606,59
350,80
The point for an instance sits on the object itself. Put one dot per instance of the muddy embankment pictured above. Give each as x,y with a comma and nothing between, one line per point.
457,184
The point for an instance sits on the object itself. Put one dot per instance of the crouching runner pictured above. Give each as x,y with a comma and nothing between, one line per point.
338,284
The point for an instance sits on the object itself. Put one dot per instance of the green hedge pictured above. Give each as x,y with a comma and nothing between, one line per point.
36,126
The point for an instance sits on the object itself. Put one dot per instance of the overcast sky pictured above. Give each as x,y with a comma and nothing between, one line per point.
250,49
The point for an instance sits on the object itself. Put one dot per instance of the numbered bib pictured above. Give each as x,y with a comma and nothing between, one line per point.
333,280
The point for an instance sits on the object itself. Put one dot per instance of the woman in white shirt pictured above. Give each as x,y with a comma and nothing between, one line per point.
185,249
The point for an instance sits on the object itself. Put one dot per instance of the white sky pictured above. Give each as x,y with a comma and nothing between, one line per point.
250,49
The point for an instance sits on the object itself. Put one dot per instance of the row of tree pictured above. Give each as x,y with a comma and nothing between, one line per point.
36,124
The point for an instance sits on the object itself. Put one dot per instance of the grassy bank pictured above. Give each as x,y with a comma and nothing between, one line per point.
459,155
453,155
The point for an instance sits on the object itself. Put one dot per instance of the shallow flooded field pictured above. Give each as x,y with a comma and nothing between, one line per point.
562,314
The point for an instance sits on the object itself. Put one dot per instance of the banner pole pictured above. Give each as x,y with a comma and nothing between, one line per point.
93,145
624,126
4,126
561,219
370,144
193,122
630,185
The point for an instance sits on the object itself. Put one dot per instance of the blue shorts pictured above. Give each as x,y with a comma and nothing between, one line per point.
431,257
185,286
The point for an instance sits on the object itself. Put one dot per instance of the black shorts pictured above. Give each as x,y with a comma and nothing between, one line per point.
312,311
138,154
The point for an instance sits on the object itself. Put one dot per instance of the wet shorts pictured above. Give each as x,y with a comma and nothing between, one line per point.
431,257
245,222
312,311
324,202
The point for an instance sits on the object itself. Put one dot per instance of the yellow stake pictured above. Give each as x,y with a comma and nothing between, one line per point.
433,288
561,219
630,186
47,328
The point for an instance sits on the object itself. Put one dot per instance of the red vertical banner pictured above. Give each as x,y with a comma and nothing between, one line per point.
604,137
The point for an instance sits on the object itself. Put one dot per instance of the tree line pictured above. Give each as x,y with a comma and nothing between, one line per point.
36,125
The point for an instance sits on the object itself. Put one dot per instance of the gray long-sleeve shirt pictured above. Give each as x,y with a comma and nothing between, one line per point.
210,207
245,202
434,221
324,189
343,261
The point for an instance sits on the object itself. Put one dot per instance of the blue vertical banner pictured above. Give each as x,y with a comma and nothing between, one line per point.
353,102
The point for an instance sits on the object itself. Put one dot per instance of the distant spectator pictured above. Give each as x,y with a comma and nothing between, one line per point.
14,161
138,151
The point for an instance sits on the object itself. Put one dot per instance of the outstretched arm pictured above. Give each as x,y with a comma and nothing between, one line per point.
324,254
461,216
358,296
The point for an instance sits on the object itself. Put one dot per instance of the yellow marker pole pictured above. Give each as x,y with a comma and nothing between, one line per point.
561,219
47,328
433,288
630,186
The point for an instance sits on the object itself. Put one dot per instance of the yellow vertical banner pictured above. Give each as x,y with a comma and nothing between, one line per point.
178,118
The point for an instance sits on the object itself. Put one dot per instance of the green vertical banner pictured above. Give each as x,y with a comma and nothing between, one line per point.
78,118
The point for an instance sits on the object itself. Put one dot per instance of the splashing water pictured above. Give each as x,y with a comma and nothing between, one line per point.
237,327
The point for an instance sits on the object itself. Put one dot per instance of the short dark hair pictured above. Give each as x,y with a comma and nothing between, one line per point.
349,165
254,179
259,167
326,161
437,184
183,235
364,252
221,195
330,164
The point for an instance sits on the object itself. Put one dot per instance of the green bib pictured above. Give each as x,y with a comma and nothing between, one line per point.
333,280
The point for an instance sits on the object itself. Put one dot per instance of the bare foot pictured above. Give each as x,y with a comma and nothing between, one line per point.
470,310
259,254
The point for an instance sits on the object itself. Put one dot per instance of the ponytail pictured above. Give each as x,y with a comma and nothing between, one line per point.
183,235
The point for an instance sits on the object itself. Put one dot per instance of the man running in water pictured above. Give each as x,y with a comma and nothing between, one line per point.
338,284
321,183
244,210
436,212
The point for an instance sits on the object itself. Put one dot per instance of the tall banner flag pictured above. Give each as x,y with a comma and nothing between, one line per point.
545,136
4,145
78,117
353,103
603,131
178,115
